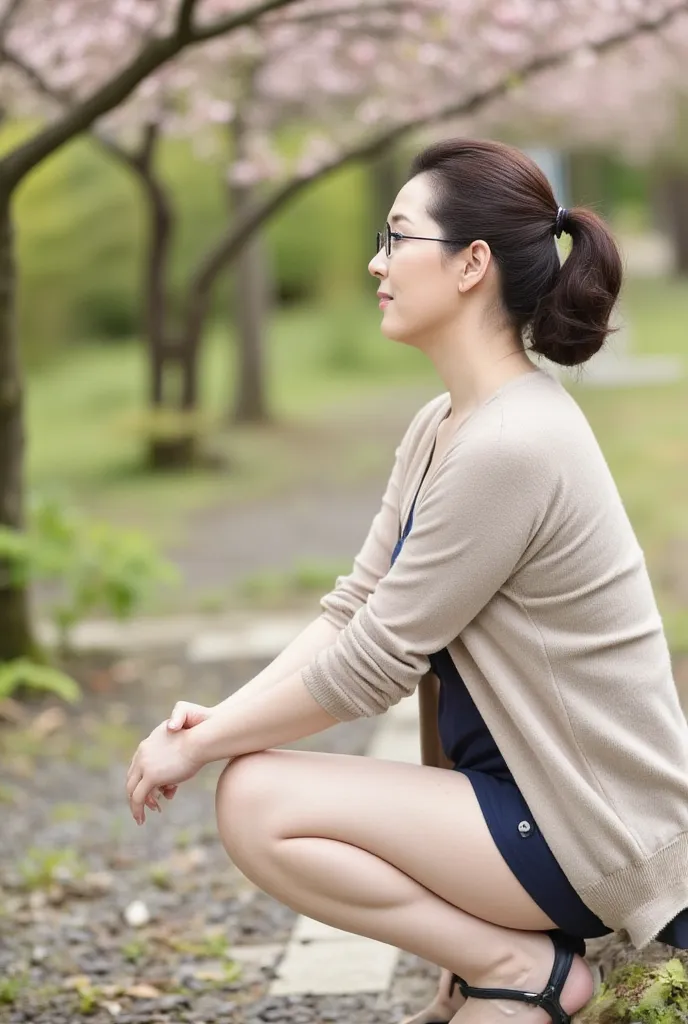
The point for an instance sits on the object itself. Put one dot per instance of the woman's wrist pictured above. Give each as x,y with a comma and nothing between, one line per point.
195,742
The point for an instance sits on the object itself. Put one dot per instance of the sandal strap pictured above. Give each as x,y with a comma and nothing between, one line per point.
548,999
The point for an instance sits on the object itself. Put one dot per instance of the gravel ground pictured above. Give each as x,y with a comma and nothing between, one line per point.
101,920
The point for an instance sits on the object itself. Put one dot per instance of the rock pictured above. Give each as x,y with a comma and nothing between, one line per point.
38,954
112,1007
137,914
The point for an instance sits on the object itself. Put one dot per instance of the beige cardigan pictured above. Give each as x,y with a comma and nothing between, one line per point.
523,563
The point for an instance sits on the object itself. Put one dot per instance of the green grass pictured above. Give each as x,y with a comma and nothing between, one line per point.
83,411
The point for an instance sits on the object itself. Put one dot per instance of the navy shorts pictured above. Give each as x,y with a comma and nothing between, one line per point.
523,847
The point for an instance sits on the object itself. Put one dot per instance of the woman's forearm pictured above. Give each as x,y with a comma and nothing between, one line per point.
317,635
285,713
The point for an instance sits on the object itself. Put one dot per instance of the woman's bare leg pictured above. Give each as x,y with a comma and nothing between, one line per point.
399,853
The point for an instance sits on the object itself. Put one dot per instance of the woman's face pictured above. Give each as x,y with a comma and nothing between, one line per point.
423,289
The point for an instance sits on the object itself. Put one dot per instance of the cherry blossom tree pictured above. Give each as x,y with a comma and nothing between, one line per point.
341,72
101,50
359,76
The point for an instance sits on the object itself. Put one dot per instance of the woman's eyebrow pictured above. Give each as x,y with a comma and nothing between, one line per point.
396,217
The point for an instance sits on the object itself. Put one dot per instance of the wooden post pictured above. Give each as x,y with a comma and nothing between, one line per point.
431,752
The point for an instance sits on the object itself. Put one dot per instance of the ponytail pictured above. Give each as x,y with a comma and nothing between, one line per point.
571,320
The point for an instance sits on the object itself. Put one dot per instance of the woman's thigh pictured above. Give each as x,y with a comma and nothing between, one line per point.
425,821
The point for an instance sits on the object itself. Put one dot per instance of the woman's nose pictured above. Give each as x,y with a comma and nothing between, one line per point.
378,265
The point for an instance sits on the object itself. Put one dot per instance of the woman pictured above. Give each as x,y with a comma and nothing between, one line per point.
503,560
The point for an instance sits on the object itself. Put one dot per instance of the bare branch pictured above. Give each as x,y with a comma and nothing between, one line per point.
242,20
185,19
34,77
232,244
16,164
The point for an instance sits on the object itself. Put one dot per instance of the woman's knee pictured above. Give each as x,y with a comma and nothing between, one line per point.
242,800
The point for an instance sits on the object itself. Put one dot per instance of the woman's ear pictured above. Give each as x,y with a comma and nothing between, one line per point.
474,266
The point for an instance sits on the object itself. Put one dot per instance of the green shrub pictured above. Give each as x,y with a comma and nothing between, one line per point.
95,567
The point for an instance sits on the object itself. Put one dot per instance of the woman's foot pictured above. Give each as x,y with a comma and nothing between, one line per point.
576,992
443,1007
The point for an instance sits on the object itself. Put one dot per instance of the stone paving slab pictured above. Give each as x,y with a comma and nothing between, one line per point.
206,639
342,966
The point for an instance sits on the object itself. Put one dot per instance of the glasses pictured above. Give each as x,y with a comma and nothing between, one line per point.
384,238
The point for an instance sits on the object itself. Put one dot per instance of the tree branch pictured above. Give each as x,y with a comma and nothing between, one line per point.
21,160
35,78
185,19
208,269
242,20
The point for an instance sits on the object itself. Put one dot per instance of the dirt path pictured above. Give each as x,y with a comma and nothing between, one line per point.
323,517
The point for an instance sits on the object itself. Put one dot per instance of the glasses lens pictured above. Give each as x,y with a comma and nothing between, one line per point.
380,240
388,240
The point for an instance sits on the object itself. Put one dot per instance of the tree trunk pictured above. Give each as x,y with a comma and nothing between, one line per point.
672,208
16,638
250,304
172,365
155,302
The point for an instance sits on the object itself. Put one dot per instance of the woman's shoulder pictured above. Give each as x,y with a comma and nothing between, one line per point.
426,418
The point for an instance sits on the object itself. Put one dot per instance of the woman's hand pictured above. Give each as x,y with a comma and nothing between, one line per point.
163,760
184,716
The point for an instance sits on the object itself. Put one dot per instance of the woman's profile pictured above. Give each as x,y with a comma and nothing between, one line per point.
503,561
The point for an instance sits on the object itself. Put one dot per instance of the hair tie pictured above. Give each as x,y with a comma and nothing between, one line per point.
561,222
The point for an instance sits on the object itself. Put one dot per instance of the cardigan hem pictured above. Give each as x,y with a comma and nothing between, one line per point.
644,897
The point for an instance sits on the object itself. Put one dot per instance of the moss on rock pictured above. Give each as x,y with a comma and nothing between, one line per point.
640,993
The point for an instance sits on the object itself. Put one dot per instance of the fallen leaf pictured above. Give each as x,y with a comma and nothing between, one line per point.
12,711
95,883
77,982
143,991
48,722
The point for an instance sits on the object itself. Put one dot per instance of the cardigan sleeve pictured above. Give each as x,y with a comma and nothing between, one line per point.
373,560
375,557
472,527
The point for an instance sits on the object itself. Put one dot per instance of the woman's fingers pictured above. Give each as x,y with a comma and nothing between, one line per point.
186,716
168,791
138,800
178,716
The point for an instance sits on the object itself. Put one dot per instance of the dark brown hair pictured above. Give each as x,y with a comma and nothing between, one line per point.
494,192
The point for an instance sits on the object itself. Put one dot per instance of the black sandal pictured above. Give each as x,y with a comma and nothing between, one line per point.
565,947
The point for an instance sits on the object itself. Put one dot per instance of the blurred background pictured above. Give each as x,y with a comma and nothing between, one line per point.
198,412
238,404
